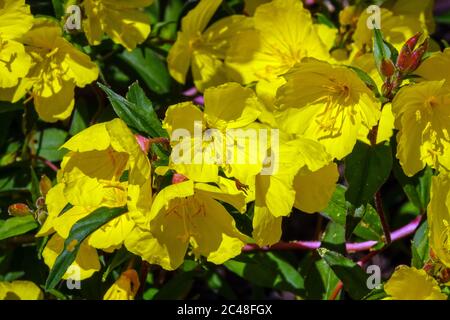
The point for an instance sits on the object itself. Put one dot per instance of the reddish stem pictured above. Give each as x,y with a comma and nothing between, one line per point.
351,247
48,163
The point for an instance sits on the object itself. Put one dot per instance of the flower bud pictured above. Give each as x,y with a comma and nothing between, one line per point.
409,59
416,56
412,42
387,68
178,178
144,142
19,210
45,184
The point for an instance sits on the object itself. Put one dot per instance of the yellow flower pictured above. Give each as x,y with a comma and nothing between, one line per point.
399,22
15,21
20,290
122,20
304,179
201,48
189,213
439,218
58,67
421,116
436,67
86,262
282,36
228,108
104,168
329,104
408,283
125,288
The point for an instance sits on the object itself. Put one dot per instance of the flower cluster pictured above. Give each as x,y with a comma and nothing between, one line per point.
287,104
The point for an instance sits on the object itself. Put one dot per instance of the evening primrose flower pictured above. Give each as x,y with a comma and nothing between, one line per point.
203,49
123,21
329,104
436,67
305,178
108,171
408,283
399,22
216,137
58,68
15,21
282,36
439,218
422,118
189,213
20,290
125,288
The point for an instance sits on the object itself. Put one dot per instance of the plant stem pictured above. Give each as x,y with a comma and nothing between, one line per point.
380,211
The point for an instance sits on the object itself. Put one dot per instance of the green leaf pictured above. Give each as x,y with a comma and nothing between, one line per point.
34,187
80,119
443,19
58,7
220,286
334,237
416,188
351,275
267,270
366,169
139,113
79,232
365,223
151,67
323,19
320,279
178,287
420,247
16,226
381,50
47,143
370,83
120,257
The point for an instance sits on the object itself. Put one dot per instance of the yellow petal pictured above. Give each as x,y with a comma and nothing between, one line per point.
20,290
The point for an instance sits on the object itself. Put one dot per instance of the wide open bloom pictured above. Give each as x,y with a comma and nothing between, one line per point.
201,48
422,117
20,290
122,20
105,167
282,36
408,283
58,67
189,213
219,136
15,21
439,218
329,104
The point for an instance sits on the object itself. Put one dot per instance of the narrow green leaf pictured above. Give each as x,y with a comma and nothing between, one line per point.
351,275
16,226
79,232
366,169
138,114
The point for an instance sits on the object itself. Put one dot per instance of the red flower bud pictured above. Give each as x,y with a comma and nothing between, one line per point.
178,178
144,142
416,56
19,210
387,68
412,42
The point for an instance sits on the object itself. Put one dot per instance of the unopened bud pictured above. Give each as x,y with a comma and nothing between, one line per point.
178,178
19,210
144,142
416,56
40,203
412,42
387,68
45,184
40,216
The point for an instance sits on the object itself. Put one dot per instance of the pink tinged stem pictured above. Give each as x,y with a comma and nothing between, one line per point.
398,234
